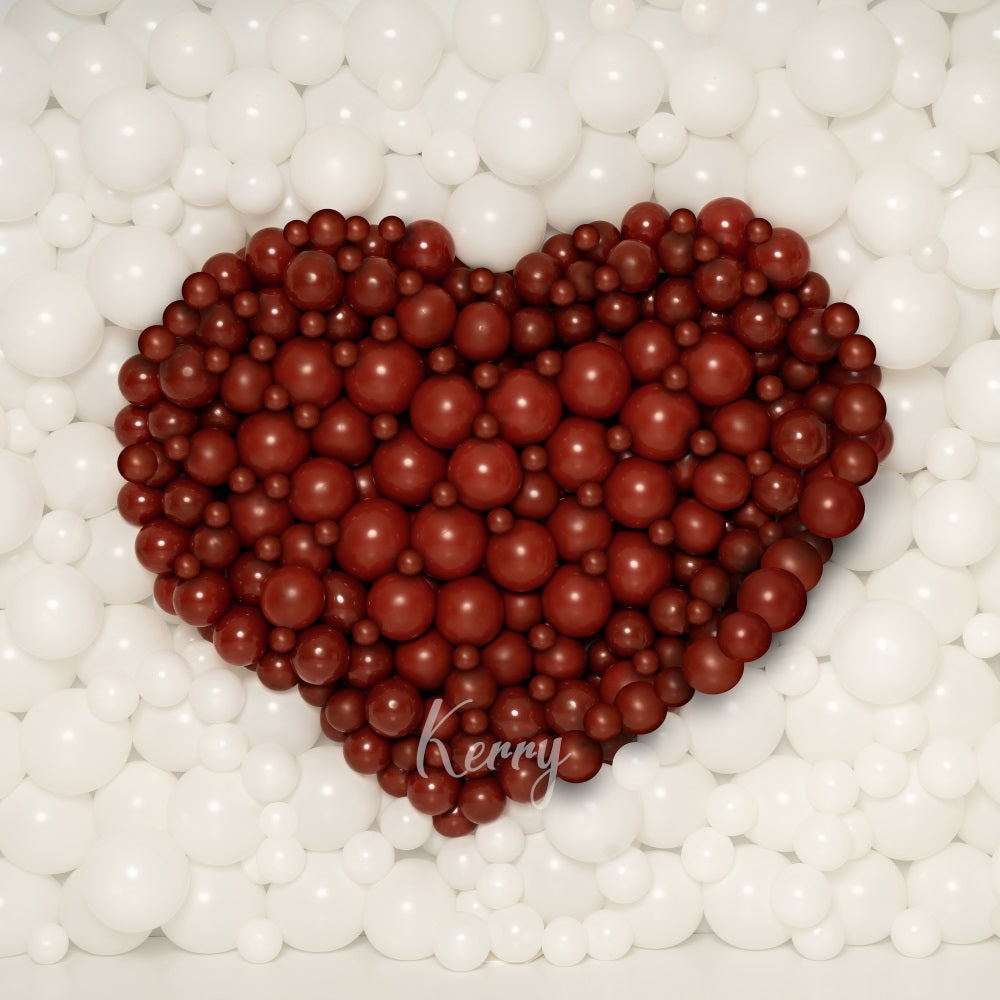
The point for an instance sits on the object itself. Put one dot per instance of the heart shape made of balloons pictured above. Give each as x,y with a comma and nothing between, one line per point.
495,525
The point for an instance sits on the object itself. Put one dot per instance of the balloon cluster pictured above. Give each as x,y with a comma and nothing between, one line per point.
468,512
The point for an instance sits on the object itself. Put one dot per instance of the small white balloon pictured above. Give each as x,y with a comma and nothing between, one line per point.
801,896
450,156
254,186
368,857
609,936
625,879
259,941
462,942
915,933
707,855
270,772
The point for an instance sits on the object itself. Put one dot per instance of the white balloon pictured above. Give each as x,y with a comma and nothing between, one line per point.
885,652
462,942
499,37
26,679
128,634
969,103
259,941
736,730
409,191
707,169
368,857
385,33
909,314
801,896
136,797
593,821
580,193
90,61
305,42
450,156
956,523
893,206
885,532
66,749
707,855
554,885
661,138
920,78
971,232
731,809
43,832
503,839
135,880
674,803
219,901
212,818
914,27
133,273
801,178
738,907
246,22
617,83
713,91
867,895
494,223
21,502
270,772
775,110
915,933
280,717
255,113
84,929
168,737
528,129
131,139
404,826
336,165
26,902
333,802
402,910
779,787
841,60
828,722
912,824
947,768
55,612
190,53
672,909
49,326
516,933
